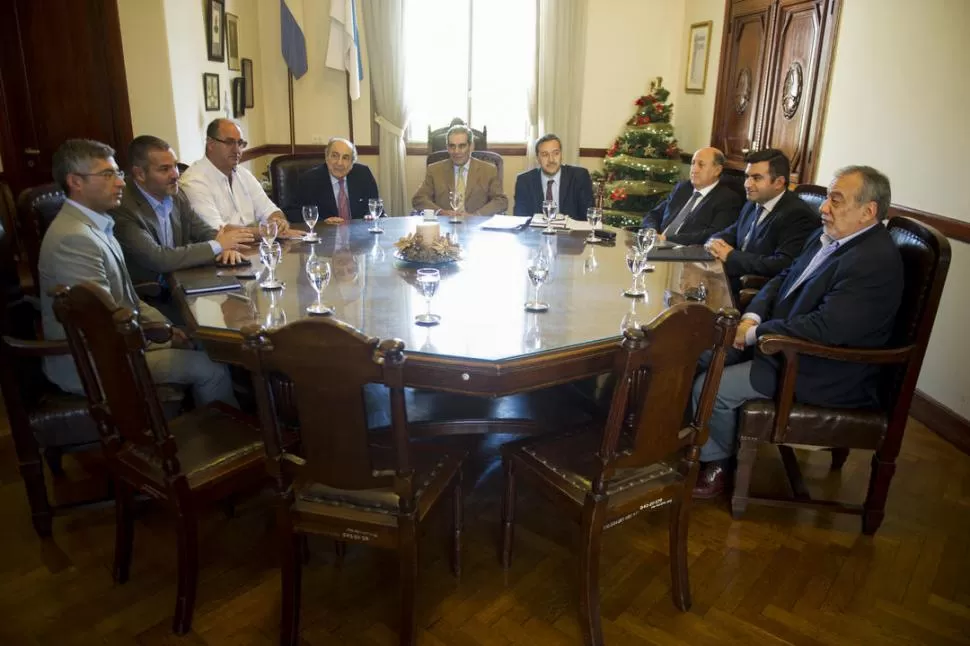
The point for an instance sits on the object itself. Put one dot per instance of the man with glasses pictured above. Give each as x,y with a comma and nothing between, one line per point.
223,192
476,183
80,246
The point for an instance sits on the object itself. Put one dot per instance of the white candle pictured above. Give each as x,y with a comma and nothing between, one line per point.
428,232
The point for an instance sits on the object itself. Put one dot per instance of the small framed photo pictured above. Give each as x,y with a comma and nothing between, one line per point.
232,41
238,96
698,52
210,86
247,72
215,29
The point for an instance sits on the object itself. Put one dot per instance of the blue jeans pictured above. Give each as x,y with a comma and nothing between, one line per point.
734,390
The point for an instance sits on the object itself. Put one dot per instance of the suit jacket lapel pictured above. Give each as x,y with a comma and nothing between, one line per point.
147,213
114,247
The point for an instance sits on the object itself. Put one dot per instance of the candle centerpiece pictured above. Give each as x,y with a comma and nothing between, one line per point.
427,245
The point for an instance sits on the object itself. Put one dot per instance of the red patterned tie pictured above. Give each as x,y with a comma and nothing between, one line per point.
343,203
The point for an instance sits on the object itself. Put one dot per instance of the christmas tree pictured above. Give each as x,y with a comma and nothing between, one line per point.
643,164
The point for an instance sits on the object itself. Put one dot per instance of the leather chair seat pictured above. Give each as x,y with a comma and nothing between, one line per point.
433,466
815,426
212,441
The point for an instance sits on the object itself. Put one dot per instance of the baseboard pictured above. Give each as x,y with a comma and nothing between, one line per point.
941,420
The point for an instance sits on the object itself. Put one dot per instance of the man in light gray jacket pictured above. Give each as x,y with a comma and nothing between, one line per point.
80,246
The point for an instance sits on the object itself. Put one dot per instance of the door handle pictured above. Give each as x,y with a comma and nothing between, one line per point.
31,151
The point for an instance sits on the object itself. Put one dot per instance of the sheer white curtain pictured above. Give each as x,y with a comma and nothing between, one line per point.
562,56
384,21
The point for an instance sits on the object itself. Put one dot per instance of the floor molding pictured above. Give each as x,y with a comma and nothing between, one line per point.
941,420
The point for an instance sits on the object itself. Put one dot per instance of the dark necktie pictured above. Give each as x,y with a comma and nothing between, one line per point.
549,197
678,221
754,227
343,203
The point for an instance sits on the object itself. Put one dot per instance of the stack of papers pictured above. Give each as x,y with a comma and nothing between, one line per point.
539,220
505,222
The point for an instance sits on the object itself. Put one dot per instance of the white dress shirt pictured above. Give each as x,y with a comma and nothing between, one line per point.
243,203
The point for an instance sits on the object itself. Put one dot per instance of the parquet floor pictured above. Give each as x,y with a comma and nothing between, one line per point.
776,577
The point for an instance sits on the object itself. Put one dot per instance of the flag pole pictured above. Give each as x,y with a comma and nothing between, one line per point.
289,88
350,110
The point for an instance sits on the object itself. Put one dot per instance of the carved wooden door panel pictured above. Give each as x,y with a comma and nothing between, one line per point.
741,85
791,111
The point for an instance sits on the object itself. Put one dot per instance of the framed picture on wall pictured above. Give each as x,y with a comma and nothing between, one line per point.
238,97
247,72
215,29
232,41
210,88
698,52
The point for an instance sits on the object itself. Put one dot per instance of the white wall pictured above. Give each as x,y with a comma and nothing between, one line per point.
898,101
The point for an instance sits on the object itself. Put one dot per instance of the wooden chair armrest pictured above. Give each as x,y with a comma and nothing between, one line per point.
148,290
30,348
775,343
157,331
753,281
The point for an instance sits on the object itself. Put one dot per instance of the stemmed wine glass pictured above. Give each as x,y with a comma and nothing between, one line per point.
318,271
270,255
457,202
594,216
549,210
646,241
590,263
428,280
268,230
636,260
311,213
539,266
376,207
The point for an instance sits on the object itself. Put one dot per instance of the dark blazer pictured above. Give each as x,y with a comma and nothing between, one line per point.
717,211
137,230
850,301
777,241
314,187
575,192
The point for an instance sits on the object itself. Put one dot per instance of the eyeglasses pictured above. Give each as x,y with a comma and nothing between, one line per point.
242,143
108,173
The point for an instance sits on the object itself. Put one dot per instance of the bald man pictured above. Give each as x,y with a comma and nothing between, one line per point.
341,187
697,208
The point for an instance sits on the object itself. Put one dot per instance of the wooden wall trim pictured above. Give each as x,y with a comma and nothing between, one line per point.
950,227
941,420
509,150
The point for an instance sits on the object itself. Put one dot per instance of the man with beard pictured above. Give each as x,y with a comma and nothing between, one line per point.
568,186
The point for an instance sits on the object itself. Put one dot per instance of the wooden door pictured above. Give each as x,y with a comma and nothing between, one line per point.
802,46
741,83
62,75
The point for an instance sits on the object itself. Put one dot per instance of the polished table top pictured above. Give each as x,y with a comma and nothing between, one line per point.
480,299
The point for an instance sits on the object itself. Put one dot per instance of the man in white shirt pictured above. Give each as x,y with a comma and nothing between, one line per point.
223,192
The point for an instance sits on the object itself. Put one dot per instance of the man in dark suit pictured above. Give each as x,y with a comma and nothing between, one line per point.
158,229
843,290
569,186
773,224
697,209
341,188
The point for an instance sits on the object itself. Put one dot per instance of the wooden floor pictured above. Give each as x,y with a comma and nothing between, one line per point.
777,577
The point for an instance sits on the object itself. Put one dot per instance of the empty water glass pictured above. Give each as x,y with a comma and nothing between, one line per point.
646,241
270,255
318,271
538,268
311,214
594,216
428,280
636,260
376,207
268,230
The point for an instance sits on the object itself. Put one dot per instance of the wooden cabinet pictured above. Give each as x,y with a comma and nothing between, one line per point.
773,82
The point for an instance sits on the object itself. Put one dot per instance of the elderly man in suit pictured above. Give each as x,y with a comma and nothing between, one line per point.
156,226
699,207
568,186
476,183
341,187
80,246
772,226
843,290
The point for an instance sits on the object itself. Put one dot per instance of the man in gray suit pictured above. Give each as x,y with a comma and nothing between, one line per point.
80,246
158,229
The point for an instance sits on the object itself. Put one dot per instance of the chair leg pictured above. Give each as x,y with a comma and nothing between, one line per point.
508,512
292,548
187,528
747,452
589,579
457,525
679,579
408,557
124,530
40,508
839,456
873,509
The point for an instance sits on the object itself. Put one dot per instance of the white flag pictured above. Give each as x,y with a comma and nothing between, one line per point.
343,51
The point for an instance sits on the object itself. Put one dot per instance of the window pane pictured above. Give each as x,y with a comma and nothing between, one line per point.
503,67
436,85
